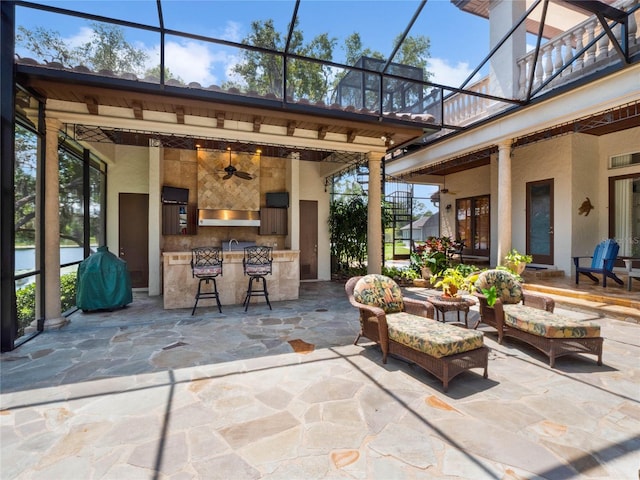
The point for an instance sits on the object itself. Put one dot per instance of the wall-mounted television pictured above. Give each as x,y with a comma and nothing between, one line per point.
278,199
175,195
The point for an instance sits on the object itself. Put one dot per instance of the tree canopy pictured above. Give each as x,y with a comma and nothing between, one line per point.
264,73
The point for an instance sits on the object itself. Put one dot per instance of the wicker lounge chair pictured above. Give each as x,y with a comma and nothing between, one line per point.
405,327
530,318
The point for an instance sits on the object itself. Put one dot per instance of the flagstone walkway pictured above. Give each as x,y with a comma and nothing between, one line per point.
144,393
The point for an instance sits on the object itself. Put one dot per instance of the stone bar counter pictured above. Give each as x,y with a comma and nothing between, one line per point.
179,286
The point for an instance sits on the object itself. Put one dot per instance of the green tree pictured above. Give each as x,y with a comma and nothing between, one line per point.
106,49
348,233
168,74
264,72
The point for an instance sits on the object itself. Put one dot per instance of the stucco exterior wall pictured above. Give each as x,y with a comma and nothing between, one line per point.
312,176
551,159
585,232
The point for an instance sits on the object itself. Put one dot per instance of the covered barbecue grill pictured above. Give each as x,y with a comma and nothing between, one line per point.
103,282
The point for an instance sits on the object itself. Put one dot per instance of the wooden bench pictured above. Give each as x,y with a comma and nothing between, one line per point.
405,327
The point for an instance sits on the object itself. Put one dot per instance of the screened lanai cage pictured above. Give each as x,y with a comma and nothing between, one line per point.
361,88
404,210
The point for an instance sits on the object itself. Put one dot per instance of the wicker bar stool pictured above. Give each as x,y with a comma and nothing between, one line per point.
257,264
206,265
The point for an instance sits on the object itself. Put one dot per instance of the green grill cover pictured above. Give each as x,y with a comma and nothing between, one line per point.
103,282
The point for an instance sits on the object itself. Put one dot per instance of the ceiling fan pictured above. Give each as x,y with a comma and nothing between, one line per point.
231,170
444,188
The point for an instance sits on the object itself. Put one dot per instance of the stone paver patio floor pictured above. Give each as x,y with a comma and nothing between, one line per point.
144,393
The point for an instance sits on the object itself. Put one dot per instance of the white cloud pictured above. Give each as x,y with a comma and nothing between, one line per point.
83,36
232,32
446,74
204,63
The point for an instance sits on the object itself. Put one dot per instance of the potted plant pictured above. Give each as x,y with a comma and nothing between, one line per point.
516,261
431,258
453,281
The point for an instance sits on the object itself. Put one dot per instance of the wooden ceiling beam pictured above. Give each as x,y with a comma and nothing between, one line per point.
220,119
322,132
92,104
180,115
351,136
291,128
257,122
137,110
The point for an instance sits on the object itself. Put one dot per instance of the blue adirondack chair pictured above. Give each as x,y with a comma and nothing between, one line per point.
604,256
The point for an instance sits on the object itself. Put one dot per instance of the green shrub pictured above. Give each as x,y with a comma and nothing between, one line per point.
26,300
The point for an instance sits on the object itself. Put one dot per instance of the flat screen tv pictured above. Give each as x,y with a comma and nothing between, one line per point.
278,199
175,195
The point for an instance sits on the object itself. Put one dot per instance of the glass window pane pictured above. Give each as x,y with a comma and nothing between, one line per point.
27,306
71,208
26,226
97,202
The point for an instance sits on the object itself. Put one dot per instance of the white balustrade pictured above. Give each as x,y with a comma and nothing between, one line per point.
554,60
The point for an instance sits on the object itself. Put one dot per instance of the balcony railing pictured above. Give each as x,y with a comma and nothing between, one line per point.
563,59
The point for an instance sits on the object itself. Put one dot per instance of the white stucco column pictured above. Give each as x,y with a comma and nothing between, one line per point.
51,223
155,216
374,211
293,186
504,199
504,72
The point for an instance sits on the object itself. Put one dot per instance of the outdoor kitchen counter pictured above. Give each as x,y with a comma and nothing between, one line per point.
179,286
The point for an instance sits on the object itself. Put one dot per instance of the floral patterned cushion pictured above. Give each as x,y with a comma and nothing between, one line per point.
379,291
430,336
208,270
507,286
546,324
257,269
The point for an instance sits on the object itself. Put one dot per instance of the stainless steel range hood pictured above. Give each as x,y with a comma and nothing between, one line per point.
228,218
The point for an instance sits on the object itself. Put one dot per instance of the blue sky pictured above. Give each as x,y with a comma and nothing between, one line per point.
459,41
455,46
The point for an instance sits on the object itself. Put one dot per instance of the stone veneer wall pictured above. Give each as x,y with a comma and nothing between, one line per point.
181,170
234,193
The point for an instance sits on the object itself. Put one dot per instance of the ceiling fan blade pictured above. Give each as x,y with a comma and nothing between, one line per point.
244,175
228,176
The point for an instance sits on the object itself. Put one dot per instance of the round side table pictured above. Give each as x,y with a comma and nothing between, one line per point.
448,304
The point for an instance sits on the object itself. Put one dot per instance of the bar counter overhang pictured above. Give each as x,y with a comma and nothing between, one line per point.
179,286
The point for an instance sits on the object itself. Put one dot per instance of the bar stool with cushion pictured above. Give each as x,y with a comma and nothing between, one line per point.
257,264
206,265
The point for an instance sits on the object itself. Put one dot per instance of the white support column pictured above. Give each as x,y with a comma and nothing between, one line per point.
504,71
155,216
374,211
504,199
293,186
52,305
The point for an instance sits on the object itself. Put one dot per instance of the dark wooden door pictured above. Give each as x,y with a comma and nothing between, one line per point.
540,221
308,240
133,227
